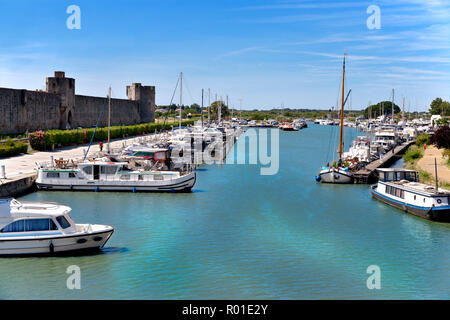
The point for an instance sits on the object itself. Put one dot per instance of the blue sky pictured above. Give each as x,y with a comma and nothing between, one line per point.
267,53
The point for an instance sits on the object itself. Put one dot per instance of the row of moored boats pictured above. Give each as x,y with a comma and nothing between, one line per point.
147,165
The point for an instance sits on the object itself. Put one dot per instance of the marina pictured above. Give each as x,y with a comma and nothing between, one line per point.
207,243
206,157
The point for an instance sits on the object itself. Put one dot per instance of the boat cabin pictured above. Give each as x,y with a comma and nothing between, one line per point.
33,218
397,174
159,155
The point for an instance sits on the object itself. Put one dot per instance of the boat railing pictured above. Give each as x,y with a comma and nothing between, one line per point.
57,164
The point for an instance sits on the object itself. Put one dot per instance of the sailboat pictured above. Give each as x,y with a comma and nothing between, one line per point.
338,173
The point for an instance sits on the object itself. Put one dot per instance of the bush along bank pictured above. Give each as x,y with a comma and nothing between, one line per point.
415,152
47,140
11,148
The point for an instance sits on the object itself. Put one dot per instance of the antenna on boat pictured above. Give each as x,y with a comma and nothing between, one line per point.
436,175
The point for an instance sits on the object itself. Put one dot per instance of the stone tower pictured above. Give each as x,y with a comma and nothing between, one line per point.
145,95
65,89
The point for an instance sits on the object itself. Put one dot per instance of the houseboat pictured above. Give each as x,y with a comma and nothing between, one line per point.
33,228
101,175
400,188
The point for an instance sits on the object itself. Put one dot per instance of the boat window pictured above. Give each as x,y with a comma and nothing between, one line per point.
141,177
410,176
389,176
52,174
71,175
63,222
30,225
40,225
87,170
158,177
125,177
396,192
18,226
108,169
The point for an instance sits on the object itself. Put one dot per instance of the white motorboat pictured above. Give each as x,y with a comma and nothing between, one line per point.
360,150
32,228
386,138
111,176
400,188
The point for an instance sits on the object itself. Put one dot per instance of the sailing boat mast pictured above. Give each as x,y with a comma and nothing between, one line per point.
209,106
392,106
181,95
341,133
202,109
109,120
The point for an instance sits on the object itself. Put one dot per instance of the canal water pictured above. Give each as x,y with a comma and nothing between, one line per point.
241,235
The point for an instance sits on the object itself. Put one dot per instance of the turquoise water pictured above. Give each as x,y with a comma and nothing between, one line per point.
241,235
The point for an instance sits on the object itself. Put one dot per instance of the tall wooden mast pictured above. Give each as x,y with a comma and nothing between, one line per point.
109,120
341,135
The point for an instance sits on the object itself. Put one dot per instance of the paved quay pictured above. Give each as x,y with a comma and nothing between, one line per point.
25,164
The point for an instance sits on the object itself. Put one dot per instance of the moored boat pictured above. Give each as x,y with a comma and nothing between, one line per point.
338,172
33,228
335,175
288,127
112,176
400,188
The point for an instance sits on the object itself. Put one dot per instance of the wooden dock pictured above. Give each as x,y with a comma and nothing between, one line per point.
368,174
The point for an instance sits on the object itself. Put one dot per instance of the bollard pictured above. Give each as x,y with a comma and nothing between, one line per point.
3,176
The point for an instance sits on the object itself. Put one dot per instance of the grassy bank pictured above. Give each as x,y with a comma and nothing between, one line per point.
414,154
426,177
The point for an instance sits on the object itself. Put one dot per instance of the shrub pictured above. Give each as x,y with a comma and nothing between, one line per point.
11,148
422,139
413,153
37,140
441,138
44,140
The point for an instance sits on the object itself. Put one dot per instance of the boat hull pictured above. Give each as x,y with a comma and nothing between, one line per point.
429,213
182,184
335,176
55,245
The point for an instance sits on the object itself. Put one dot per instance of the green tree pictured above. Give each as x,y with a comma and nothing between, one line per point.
383,105
195,107
441,107
215,110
